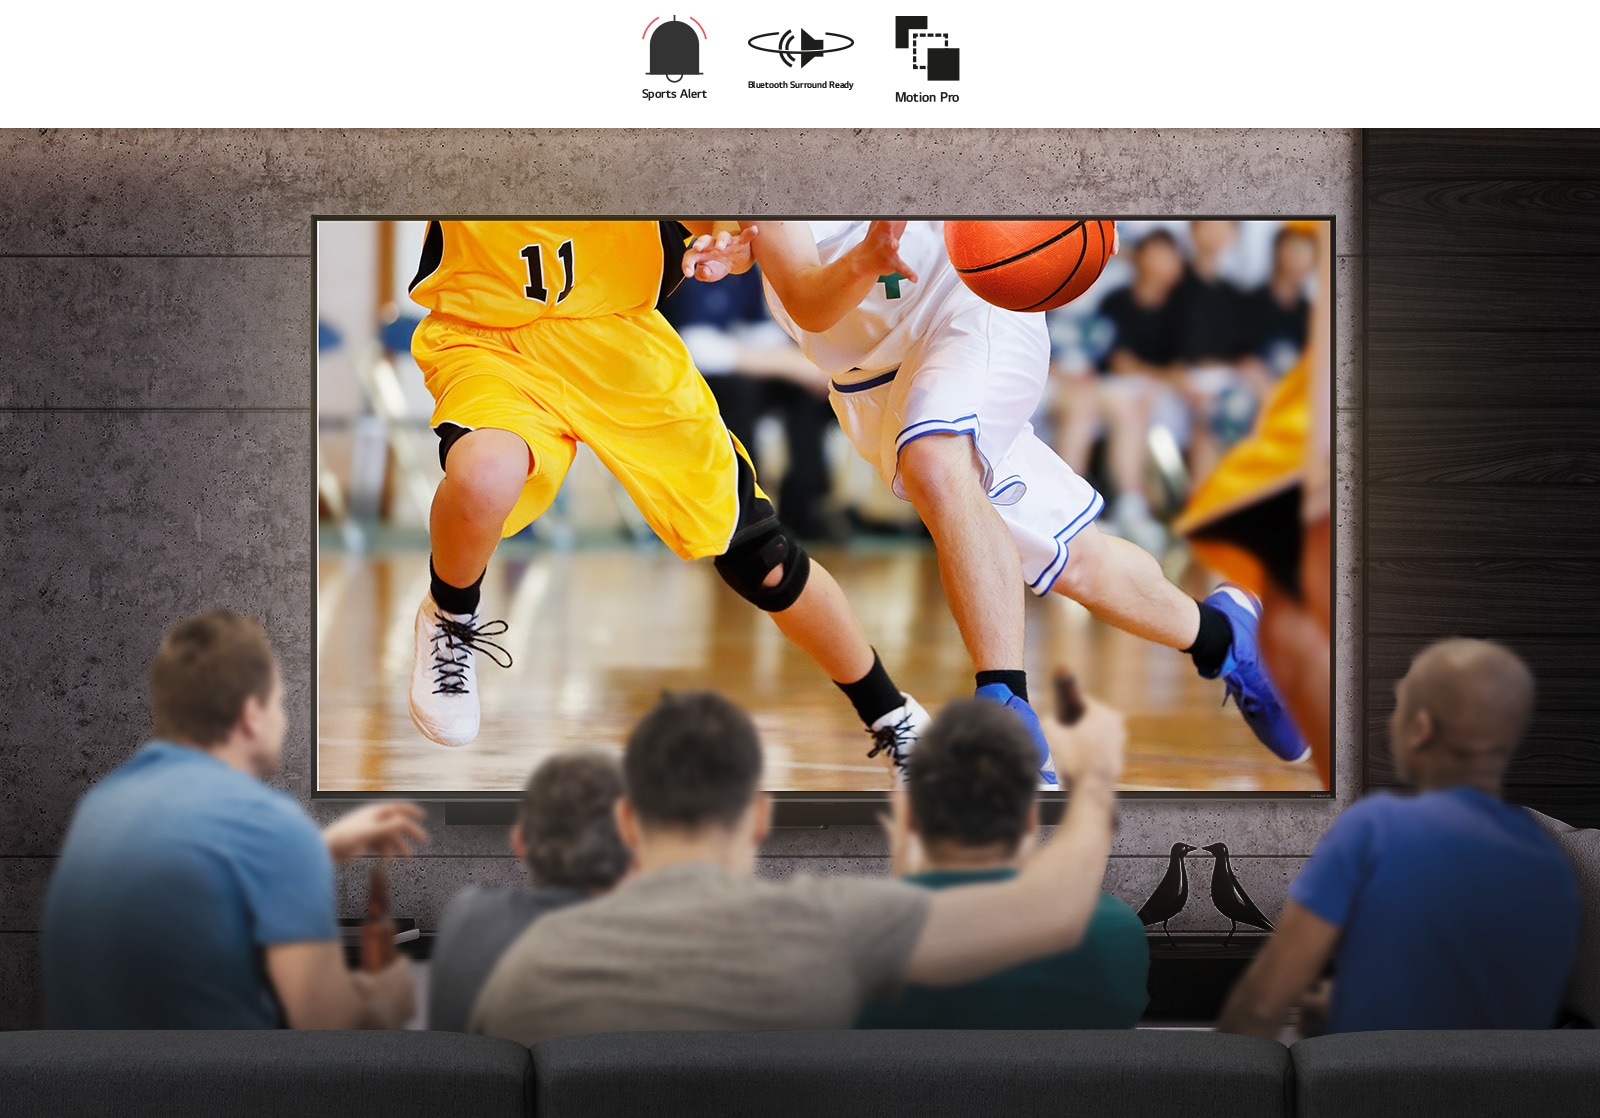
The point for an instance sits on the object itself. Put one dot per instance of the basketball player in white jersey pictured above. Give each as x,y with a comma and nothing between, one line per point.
935,387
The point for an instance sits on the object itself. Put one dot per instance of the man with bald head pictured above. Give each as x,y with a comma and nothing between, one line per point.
1448,909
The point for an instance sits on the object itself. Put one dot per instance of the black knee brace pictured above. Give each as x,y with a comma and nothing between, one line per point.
750,559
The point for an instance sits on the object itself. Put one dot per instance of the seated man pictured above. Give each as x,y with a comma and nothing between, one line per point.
972,812
695,941
1447,910
567,836
189,895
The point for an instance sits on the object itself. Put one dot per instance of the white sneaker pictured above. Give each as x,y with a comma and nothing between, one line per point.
896,734
444,675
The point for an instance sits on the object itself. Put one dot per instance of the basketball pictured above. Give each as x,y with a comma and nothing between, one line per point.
1029,265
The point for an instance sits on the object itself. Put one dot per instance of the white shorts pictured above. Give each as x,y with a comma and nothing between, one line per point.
979,372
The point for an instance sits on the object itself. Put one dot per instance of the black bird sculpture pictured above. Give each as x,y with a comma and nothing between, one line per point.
1172,894
1229,896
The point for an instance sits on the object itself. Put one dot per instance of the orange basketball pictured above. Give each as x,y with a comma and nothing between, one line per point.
1029,265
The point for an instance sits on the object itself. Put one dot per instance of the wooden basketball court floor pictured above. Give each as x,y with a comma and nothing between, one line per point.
597,633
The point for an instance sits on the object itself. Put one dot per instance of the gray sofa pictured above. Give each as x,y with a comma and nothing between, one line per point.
1149,1074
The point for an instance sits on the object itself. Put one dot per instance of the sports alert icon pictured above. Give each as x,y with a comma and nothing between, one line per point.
811,46
930,50
674,48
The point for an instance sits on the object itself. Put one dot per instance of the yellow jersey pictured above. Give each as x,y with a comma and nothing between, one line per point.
507,274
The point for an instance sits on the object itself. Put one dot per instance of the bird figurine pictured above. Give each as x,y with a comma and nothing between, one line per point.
1172,894
1229,896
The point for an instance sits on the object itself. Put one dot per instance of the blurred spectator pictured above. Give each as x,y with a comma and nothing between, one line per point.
695,941
1208,307
754,370
567,836
1277,315
972,814
189,895
1142,353
1447,910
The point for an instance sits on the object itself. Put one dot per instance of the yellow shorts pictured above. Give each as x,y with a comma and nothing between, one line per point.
1244,520
623,384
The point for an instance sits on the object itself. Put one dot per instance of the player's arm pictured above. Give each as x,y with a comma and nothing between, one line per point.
815,294
317,991
1280,974
975,930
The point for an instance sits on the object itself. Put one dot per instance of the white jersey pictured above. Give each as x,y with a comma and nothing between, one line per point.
882,330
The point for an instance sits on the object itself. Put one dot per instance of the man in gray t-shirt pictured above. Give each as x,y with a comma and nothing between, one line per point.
695,941
567,836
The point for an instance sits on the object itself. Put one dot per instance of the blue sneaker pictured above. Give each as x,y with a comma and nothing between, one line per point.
1246,679
1003,695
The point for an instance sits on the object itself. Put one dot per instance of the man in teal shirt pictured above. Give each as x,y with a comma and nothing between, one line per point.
970,809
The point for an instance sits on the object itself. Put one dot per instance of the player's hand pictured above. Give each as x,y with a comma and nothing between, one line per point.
879,253
905,852
711,257
1091,747
387,829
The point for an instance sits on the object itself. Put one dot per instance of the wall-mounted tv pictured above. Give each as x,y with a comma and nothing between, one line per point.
556,477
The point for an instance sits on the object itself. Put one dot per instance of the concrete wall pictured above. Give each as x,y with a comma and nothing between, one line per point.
155,404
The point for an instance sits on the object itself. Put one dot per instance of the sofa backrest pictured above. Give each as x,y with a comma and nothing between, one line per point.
1548,1074
261,1074
1137,1074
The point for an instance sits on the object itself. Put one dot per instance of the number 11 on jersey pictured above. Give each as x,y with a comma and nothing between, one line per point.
536,290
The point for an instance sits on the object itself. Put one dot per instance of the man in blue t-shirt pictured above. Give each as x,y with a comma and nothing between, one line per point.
1449,909
189,895
969,810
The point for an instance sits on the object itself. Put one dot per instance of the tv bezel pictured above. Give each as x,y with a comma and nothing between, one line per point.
813,809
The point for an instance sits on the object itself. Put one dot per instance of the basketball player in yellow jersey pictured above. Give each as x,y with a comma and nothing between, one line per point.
542,335
1263,519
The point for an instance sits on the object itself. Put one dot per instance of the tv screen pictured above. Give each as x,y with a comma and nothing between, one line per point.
1052,445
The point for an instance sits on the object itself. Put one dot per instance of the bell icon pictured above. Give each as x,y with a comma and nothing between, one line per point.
674,51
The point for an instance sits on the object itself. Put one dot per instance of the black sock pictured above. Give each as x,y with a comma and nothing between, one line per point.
1211,644
874,694
454,599
1016,680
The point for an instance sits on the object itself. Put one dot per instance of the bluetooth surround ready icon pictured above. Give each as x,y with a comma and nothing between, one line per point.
782,44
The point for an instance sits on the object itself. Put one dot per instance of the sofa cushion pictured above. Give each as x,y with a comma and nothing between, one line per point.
1142,1073
245,1074
1548,1073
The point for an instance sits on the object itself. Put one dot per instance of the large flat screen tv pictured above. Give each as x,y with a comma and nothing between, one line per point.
1112,433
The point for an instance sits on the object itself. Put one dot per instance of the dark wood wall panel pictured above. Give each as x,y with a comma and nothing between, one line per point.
1455,292
1485,369
1482,429
1507,217
1477,154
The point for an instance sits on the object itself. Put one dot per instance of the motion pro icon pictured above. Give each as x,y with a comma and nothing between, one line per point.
931,51
782,44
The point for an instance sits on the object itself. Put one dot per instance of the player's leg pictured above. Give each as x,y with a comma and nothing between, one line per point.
1122,584
697,488
503,462
485,471
1295,648
819,620
940,432
943,478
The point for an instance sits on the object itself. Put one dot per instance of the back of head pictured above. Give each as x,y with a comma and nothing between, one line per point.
567,822
206,668
1479,697
694,760
972,777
